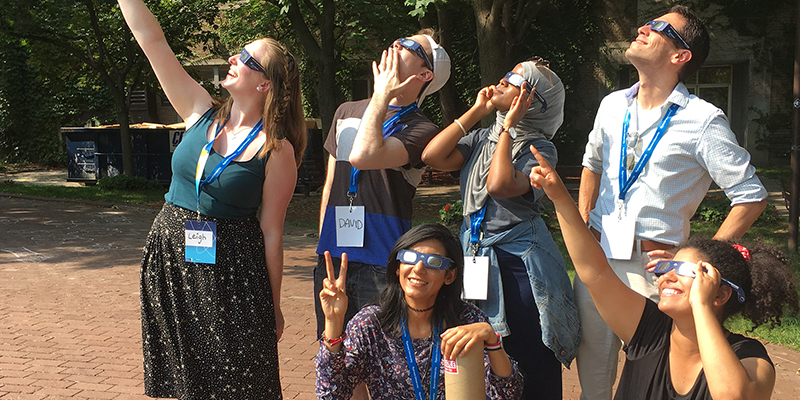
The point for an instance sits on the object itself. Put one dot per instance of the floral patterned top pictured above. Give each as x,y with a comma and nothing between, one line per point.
371,356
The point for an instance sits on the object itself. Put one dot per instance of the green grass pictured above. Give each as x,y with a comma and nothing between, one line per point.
775,172
788,333
90,193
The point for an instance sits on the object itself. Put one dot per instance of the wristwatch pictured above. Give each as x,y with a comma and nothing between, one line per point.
511,131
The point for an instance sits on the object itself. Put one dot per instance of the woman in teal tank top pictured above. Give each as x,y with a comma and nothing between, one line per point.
211,315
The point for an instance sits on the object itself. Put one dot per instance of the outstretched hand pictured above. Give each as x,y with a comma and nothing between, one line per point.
386,74
545,177
332,297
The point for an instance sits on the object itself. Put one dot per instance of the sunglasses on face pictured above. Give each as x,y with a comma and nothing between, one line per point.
251,62
417,49
684,268
519,81
429,260
667,29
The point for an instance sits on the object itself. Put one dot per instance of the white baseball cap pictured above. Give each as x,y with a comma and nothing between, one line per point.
441,69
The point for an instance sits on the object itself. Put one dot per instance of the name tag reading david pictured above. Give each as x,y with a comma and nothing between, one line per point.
201,242
350,226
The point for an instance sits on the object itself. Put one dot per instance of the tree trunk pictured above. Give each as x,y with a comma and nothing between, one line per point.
328,97
452,106
123,118
322,55
493,44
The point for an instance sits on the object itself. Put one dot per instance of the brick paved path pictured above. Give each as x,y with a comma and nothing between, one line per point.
69,306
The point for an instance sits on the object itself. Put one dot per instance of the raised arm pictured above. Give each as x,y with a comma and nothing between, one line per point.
728,377
588,192
279,183
441,152
620,307
504,180
370,149
188,98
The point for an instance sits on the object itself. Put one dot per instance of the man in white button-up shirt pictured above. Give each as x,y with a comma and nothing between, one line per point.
690,144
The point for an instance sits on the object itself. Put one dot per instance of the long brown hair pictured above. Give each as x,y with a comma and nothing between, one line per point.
283,107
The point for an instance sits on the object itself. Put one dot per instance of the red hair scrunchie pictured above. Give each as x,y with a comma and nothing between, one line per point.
744,251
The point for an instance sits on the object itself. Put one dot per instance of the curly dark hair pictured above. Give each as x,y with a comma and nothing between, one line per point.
448,306
768,284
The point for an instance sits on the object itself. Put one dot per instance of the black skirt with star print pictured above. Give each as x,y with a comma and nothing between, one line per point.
208,330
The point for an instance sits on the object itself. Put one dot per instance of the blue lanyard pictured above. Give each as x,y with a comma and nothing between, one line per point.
625,183
411,360
475,229
201,162
390,127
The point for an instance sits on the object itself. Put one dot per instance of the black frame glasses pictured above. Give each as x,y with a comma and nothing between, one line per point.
684,268
417,48
251,62
429,260
668,30
519,81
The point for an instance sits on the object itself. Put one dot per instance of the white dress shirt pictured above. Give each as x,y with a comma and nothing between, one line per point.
698,147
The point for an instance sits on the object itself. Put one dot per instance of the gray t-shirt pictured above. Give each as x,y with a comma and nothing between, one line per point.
504,214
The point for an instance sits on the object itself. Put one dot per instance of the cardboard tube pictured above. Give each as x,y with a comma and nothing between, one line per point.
464,377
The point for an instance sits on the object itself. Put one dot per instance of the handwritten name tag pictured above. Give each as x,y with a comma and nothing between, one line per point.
201,242
350,226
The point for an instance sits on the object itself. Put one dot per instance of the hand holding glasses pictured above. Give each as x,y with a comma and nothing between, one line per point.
684,268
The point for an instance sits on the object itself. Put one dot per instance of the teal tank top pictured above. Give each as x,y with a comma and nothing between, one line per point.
235,194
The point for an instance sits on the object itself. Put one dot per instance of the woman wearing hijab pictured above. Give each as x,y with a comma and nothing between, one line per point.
528,295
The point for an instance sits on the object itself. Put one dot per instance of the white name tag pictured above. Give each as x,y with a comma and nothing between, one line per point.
201,242
476,278
617,237
350,226
199,238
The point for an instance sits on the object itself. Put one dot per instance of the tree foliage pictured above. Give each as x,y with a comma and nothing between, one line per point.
86,42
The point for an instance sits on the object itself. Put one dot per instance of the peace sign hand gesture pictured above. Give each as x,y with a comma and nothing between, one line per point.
333,297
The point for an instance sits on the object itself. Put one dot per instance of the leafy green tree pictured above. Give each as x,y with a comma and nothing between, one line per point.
26,131
336,39
88,39
505,33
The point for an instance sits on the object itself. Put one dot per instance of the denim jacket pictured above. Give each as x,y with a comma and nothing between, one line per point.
552,290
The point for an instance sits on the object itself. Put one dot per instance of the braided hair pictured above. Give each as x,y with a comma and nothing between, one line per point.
283,106
768,284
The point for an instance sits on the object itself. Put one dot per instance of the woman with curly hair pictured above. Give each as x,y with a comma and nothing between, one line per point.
679,348
213,262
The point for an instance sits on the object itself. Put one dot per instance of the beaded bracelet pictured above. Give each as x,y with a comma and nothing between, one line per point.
494,347
334,341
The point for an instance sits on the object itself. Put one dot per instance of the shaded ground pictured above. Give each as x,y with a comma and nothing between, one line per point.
69,300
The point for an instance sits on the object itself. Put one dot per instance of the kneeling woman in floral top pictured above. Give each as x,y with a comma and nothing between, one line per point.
420,309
